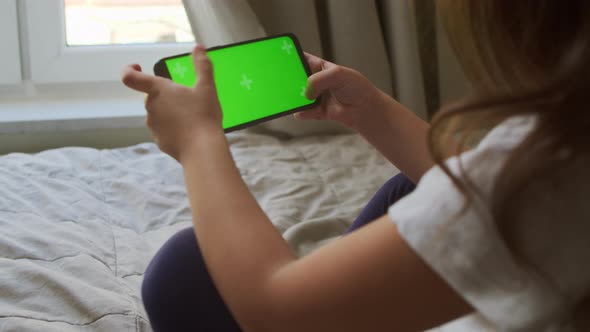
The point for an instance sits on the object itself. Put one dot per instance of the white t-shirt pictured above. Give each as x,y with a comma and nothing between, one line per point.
553,231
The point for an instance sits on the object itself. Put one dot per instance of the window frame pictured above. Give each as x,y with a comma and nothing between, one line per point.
10,62
52,61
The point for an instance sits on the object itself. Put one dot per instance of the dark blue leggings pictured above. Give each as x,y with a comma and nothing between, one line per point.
178,293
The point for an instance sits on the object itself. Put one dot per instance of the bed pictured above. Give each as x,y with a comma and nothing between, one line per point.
78,226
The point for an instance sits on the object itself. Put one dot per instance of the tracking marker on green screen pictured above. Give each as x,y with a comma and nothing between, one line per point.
254,80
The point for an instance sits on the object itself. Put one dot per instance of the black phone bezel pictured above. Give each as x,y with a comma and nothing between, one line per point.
160,69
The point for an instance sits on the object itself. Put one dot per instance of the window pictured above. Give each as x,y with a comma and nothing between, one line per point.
10,67
108,22
91,41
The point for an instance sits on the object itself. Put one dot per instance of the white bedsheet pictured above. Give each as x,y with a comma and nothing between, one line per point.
78,226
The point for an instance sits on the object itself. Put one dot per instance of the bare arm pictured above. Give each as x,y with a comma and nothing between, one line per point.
400,136
351,99
370,280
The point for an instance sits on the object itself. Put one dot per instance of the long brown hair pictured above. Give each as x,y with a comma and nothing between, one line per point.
522,57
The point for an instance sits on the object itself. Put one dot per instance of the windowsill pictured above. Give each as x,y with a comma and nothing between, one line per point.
70,115
99,121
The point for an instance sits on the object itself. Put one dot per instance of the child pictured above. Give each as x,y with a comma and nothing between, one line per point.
496,231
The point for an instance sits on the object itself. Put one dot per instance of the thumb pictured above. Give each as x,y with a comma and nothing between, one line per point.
203,65
332,77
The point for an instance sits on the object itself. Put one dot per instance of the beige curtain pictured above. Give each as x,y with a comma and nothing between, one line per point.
397,44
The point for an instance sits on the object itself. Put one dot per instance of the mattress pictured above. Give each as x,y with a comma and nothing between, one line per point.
78,226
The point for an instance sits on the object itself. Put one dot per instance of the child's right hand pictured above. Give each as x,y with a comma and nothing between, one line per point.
347,95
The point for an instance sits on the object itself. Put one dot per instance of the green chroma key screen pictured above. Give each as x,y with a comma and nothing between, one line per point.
255,80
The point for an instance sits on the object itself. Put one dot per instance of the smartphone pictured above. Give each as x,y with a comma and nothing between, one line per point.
257,80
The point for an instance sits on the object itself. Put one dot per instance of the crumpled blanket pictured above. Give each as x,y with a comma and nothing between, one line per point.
78,226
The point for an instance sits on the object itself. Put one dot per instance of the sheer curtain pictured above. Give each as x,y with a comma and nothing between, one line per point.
218,22
397,44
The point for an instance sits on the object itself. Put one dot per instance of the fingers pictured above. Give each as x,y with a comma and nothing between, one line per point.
315,63
133,78
311,114
203,65
331,78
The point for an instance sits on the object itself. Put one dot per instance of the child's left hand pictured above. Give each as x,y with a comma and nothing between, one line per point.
178,114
